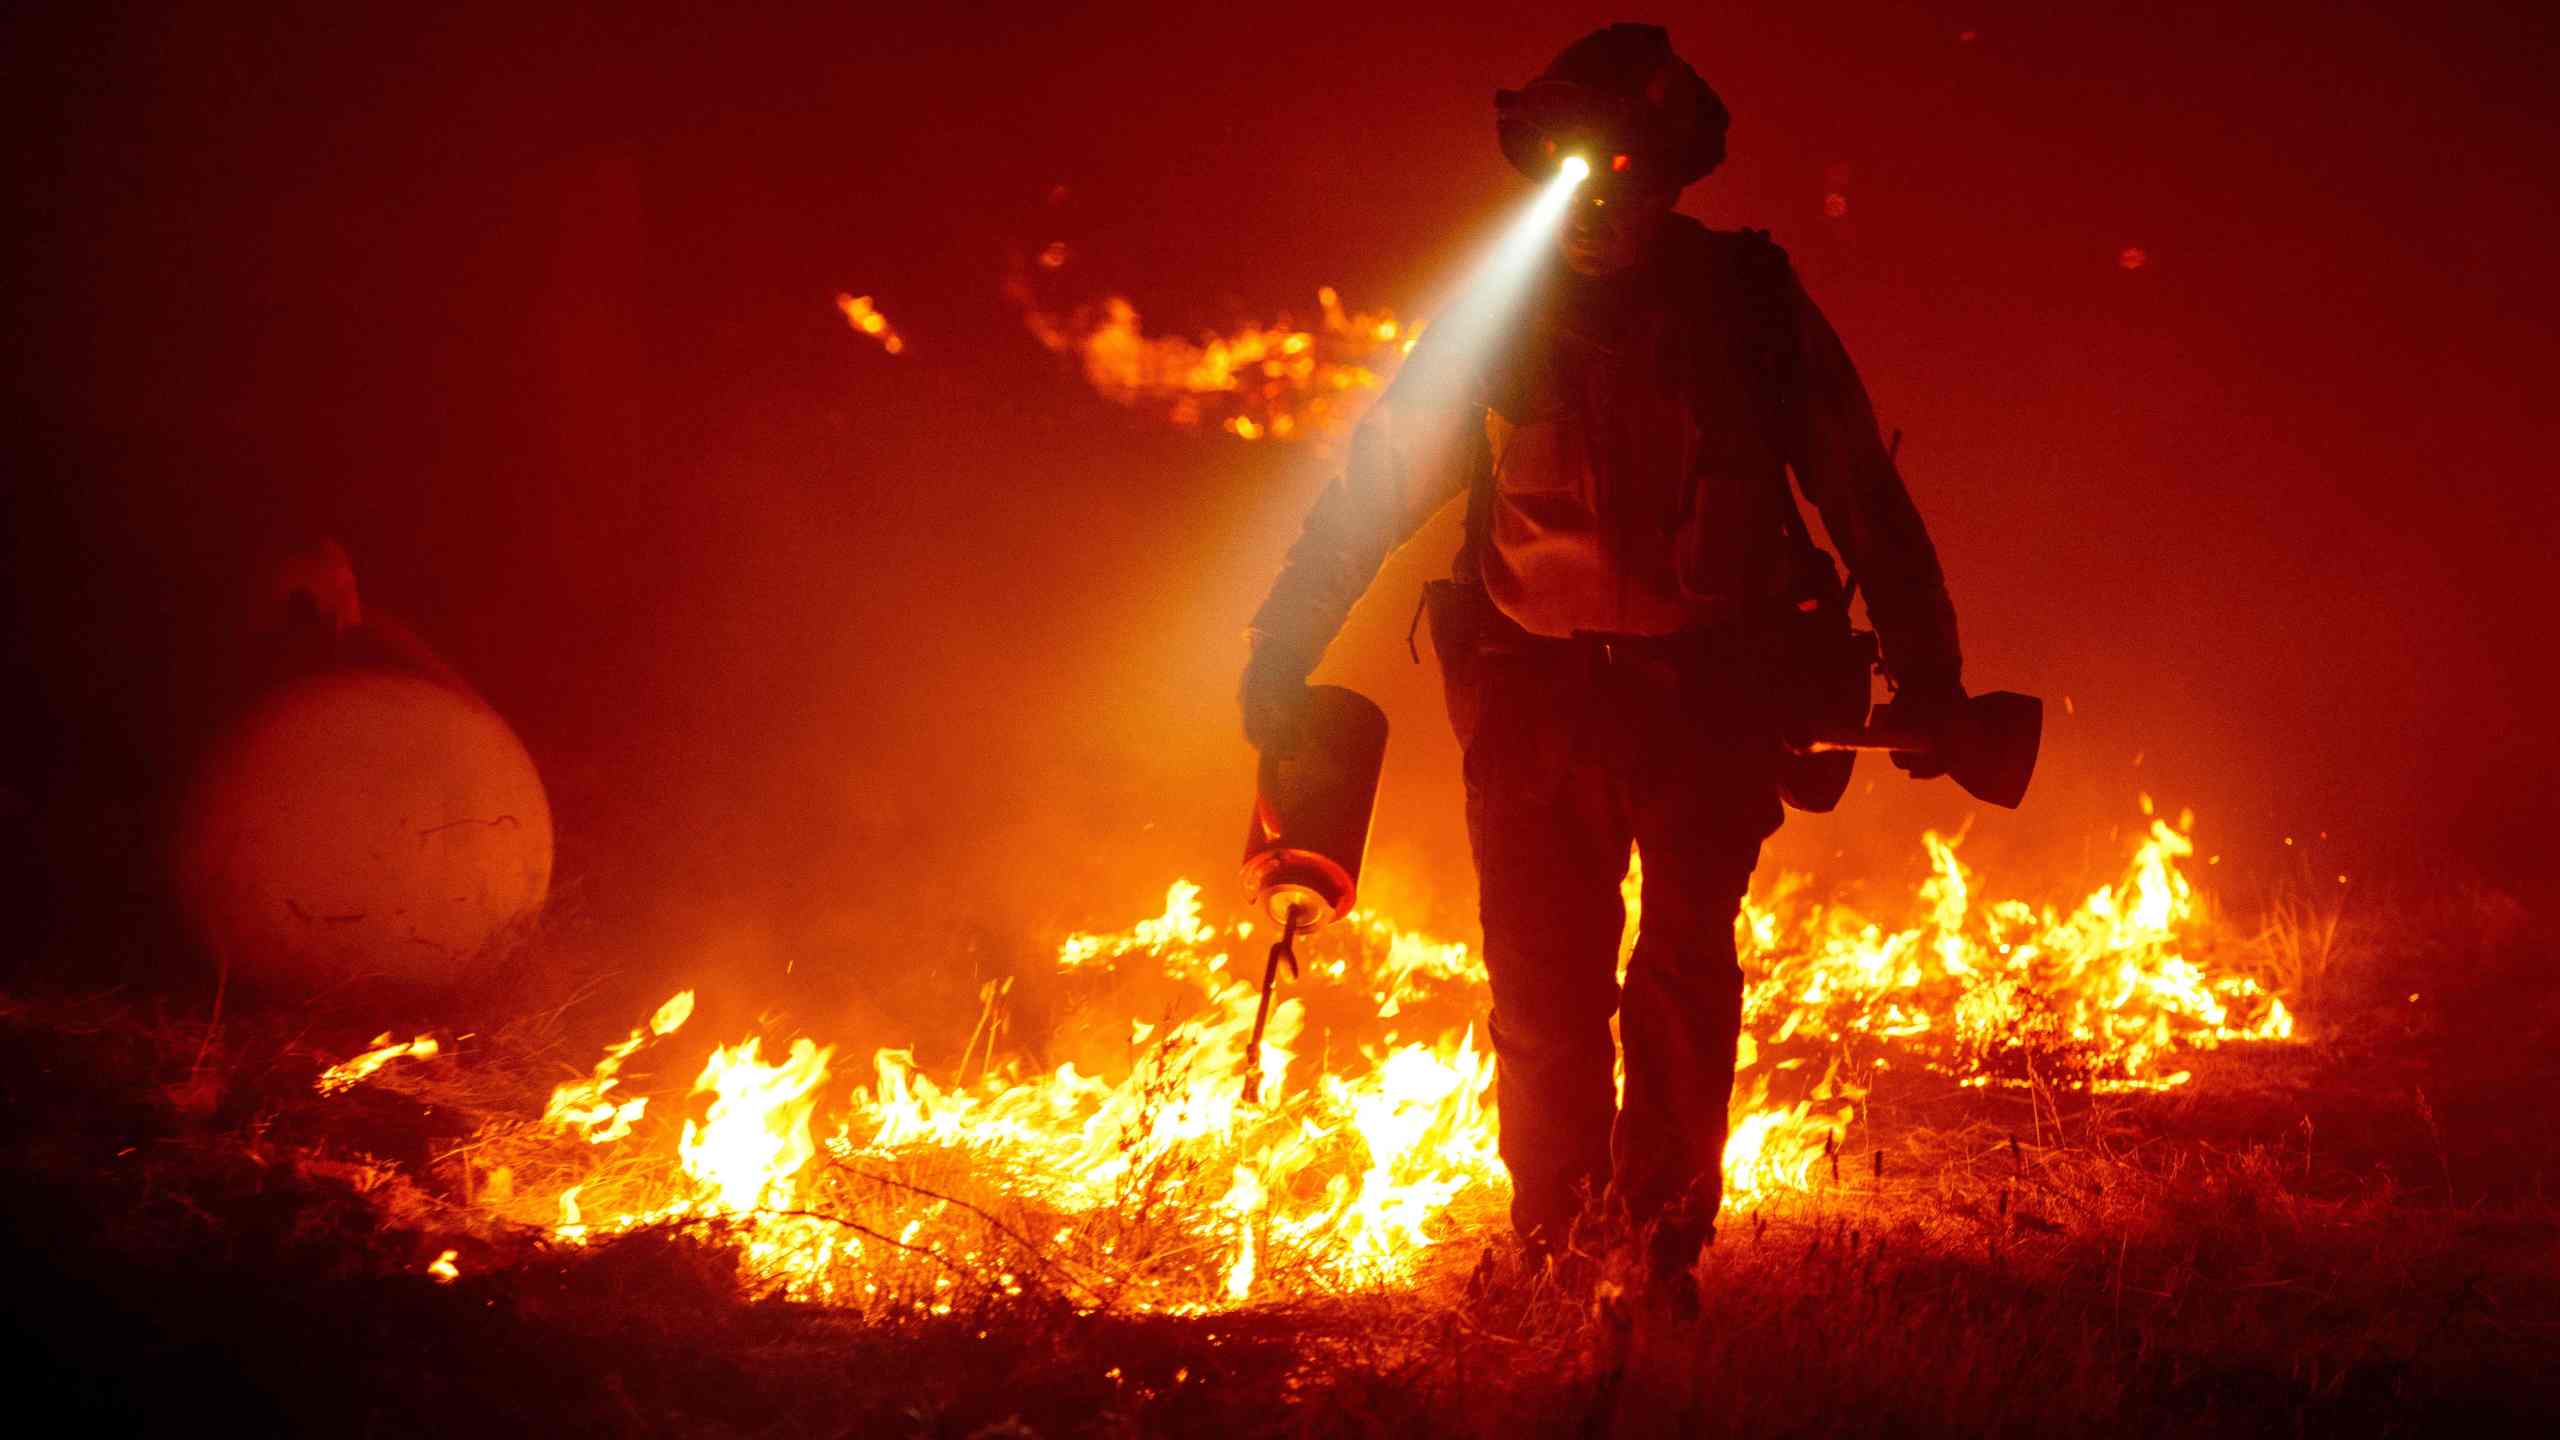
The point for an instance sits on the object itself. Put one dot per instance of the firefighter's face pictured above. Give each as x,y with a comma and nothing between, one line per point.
1606,232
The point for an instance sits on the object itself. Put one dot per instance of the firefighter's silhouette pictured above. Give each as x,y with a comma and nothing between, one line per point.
1626,626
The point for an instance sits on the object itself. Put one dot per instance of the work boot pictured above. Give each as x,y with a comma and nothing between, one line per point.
1672,1247
1533,1259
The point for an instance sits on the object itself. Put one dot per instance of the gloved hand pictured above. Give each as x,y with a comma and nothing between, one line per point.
1932,710
1274,699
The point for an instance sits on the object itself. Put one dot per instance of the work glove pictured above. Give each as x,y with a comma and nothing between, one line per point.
1274,699
1932,709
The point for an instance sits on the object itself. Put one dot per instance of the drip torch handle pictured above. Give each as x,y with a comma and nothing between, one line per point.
1885,737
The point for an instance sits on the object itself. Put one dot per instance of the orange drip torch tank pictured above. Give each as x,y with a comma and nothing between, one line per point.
1311,809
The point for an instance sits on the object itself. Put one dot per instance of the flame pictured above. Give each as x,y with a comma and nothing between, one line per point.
583,1106
864,316
1243,1199
757,1137
2004,993
1279,381
1157,1185
443,1268
347,1076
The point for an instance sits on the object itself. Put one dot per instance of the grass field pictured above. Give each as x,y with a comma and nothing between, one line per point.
2351,1235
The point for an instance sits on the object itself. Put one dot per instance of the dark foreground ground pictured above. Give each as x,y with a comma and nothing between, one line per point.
2352,1236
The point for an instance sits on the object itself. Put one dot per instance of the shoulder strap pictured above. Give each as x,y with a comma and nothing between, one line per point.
1469,566
1761,264
1760,268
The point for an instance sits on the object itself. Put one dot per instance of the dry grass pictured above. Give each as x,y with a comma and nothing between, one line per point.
2352,1238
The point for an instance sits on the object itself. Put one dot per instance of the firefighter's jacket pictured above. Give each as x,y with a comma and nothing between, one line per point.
1625,444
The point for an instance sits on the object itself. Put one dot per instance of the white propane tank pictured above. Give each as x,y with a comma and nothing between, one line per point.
364,815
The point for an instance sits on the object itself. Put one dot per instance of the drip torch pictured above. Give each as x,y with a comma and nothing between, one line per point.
1309,832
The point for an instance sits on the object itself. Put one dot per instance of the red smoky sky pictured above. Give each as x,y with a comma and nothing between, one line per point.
2220,338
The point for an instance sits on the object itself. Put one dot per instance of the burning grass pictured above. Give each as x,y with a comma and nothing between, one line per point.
2344,1233
1145,1176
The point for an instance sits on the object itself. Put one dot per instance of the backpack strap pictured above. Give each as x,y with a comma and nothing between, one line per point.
1469,568
1719,267
1759,275
1761,265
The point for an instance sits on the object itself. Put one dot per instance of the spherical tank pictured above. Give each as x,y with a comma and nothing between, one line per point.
362,821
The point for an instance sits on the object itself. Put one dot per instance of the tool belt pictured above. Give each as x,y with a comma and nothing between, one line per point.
1794,671
1821,674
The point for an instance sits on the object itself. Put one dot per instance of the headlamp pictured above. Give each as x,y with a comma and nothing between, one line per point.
1599,162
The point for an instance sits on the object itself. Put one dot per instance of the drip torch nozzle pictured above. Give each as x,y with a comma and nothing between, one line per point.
1284,948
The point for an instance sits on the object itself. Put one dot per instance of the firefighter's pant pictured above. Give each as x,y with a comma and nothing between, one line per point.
1575,751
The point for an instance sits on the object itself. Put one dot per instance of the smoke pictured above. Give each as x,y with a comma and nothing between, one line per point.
860,678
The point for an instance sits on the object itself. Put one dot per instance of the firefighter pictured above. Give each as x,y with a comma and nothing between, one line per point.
1625,626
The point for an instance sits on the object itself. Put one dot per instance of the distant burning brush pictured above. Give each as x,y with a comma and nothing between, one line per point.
2102,998
1137,1175
865,317
1279,381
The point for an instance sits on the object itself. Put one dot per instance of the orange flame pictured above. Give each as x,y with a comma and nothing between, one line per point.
583,1106
1349,1172
348,1075
2098,998
757,1137
1279,381
864,316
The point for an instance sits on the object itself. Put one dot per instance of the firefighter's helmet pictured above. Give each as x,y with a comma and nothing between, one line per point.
1618,97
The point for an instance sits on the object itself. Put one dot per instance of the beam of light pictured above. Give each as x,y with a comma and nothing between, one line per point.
1440,357
1480,304
1275,381
1499,279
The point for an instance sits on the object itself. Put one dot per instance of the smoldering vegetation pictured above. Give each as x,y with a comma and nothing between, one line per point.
2354,1235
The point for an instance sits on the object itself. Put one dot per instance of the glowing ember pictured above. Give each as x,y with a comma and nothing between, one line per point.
347,1076
443,1268
864,316
1278,381
1157,1186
